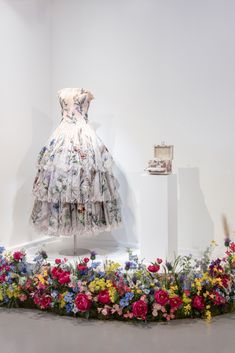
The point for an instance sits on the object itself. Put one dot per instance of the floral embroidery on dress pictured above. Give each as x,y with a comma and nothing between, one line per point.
75,189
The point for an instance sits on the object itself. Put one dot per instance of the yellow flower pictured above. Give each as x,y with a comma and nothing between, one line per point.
186,300
109,283
62,303
41,279
99,284
45,273
13,291
217,281
112,266
208,315
112,294
173,289
214,243
187,309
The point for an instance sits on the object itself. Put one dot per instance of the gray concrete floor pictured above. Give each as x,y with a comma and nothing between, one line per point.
29,331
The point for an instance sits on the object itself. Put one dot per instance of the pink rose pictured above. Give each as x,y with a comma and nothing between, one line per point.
153,268
161,297
140,309
18,255
58,261
82,302
86,260
198,302
104,297
159,261
175,302
22,297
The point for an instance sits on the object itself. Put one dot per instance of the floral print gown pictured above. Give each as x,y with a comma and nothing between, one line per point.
75,190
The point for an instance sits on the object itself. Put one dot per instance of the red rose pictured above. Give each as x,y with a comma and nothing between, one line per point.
2,278
187,292
161,297
81,267
198,302
159,261
232,247
86,260
218,299
175,302
153,268
18,255
64,277
104,297
140,309
46,301
58,261
225,280
43,301
56,272
82,302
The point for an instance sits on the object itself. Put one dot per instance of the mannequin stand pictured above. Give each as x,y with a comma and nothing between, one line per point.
74,251
74,244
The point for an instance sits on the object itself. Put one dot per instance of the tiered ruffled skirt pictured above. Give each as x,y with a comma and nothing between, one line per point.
75,189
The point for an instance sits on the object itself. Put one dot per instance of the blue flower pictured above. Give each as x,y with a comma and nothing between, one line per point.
68,297
101,274
54,293
198,275
68,308
95,264
129,295
2,249
91,278
123,303
126,299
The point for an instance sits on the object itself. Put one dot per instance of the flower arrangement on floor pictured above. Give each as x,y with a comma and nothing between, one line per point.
157,292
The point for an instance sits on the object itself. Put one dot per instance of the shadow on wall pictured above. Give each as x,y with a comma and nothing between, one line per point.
29,10
196,228
172,216
41,129
127,234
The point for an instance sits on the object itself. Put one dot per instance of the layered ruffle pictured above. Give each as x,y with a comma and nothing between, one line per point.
68,219
75,189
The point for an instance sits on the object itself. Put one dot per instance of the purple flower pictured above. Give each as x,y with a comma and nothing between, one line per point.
169,266
93,255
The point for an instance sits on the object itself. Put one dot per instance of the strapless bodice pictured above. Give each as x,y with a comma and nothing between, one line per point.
75,103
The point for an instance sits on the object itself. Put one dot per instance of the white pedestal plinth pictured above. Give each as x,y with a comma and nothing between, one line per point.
158,216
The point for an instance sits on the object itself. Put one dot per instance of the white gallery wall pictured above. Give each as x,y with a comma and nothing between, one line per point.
159,70
24,109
